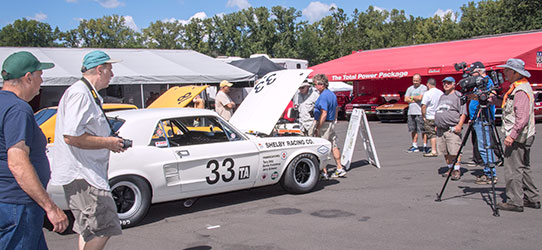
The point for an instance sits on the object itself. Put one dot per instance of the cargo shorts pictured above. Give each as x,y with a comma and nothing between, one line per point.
94,210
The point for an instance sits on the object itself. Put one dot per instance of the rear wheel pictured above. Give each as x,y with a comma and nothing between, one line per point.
132,196
301,175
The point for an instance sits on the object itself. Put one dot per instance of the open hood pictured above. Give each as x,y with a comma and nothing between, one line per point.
177,97
263,106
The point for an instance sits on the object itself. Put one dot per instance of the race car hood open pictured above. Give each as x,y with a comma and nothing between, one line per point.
263,106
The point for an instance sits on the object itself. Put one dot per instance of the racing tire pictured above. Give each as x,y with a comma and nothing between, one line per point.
132,196
301,175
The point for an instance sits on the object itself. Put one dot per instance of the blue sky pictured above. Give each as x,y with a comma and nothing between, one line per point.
66,14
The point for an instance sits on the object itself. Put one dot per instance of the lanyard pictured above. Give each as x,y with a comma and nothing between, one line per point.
97,100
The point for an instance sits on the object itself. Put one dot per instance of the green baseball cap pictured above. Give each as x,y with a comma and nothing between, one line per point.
19,63
96,58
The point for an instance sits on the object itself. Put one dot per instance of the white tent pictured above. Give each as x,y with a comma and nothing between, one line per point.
139,66
340,86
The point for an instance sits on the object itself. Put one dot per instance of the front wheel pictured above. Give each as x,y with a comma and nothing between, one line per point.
132,196
301,175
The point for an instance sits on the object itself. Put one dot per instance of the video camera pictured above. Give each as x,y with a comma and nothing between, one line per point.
477,84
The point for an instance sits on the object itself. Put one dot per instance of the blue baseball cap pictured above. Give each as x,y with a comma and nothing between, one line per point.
449,79
96,58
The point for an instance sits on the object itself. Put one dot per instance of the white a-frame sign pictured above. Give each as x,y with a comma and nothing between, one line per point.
358,124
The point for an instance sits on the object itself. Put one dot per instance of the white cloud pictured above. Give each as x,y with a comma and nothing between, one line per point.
38,17
316,10
71,1
441,13
200,15
380,9
130,23
110,4
241,4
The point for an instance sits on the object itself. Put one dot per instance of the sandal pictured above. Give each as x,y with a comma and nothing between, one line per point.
446,173
456,175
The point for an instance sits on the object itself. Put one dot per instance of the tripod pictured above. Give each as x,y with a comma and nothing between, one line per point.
483,114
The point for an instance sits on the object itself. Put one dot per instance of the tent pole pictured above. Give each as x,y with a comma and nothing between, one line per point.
142,96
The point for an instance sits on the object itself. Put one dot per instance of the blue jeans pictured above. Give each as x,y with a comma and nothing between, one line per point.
21,226
483,134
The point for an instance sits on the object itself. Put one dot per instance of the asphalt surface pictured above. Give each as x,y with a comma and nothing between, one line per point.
389,208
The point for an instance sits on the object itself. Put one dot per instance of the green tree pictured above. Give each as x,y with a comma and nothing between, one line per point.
285,31
162,35
105,32
30,33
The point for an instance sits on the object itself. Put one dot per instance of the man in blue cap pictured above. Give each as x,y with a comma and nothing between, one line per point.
83,141
24,167
449,119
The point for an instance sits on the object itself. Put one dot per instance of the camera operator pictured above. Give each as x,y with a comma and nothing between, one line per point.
519,128
81,153
482,141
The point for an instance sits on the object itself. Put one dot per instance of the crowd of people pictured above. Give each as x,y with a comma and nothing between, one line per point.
434,113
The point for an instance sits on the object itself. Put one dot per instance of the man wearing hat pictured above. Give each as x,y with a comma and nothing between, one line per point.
518,126
83,142
223,104
304,101
481,146
24,167
449,118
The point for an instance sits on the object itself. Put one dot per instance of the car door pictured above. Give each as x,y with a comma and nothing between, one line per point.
213,157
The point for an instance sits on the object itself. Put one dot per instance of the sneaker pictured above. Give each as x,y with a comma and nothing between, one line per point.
509,207
413,149
339,173
535,205
484,179
324,176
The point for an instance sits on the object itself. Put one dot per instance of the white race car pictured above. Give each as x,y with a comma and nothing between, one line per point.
180,153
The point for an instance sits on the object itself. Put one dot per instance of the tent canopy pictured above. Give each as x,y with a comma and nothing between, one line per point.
257,65
138,66
434,58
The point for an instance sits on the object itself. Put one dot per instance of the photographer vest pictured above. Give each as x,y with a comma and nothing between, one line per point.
509,115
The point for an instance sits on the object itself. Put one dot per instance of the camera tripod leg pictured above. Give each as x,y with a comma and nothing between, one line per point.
495,209
469,130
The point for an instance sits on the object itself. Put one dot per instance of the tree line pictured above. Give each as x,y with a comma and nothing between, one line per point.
279,32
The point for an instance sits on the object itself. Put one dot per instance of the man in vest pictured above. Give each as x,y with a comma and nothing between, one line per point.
519,128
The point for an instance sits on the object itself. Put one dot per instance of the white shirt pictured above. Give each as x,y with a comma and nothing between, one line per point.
305,105
77,114
430,99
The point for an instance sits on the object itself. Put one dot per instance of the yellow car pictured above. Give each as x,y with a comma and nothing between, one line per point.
46,117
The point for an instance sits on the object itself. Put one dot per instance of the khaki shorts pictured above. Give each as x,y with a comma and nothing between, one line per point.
94,210
429,128
448,143
327,132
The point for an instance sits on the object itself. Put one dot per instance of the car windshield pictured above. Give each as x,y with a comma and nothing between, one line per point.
44,115
184,131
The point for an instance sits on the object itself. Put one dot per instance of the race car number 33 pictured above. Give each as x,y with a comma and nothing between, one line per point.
229,175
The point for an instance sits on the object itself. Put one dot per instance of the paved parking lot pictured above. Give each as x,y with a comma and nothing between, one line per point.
388,208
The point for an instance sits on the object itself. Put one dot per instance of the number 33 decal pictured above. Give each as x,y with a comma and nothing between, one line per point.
215,175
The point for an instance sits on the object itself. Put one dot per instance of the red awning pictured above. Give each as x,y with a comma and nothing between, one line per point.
435,58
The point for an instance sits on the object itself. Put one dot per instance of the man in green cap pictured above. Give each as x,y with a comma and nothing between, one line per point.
83,141
24,167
